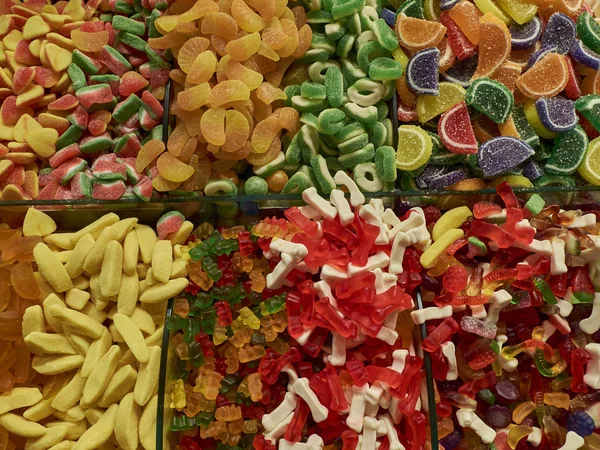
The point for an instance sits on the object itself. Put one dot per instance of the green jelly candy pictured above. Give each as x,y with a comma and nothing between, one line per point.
323,42
412,8
315,54
347,8
362,114
589,107
524,128
122,23
105,79
354,25
256,186
334,86
132,40
490,98
368,15
352,73
345,45
443,157
310,120
71,136
554,180
116,56
297,184
365,154
271,167
313,91
127,108
220,187
122,7
535,204
335,30
77,76
568,153
368,52
331,121
385,35
389,132
366,178
385,69
382,110
319,17
385,163
589,31
366,92
85,63
334,164
304,143
316,71
322,175
377,134
349,131
303,104
152,31
353,144
326,148
291,91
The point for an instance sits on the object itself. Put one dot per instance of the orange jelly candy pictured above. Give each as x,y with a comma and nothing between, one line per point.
417,34
467,15
494,45
546,78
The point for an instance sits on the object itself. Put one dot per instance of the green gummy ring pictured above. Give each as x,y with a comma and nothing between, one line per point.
366,178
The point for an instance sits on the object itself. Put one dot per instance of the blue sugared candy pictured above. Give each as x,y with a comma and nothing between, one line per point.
462,71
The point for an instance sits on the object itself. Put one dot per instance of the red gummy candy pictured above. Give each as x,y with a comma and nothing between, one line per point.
455,279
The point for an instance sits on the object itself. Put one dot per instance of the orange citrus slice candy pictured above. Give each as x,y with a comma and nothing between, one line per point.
546,78
417,34
494,45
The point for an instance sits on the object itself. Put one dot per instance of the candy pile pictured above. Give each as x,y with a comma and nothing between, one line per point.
228,100
351,75
93,304
81,94
511,89
513,325
339,274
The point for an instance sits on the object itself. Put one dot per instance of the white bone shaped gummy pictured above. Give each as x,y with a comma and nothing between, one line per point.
312,197
592,324
592,371
449,351
585,221
467,418
356,196
421,316
279,429
314,442
557,260
392,433
535,437
573,442
508,364
368,213
338,351
401,241
297,251
276,278
500,299
370,433
378,260
357,408
288,405
478,312
318,411
345,214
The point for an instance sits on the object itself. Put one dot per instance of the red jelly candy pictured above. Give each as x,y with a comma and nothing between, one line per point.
456,131
455,279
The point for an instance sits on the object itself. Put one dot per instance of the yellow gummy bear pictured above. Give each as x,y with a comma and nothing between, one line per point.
178,400
249,318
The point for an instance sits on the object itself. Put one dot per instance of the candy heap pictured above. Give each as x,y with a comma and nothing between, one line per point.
81,94
228,98
512,316
351,76
512,87
339,275
92,305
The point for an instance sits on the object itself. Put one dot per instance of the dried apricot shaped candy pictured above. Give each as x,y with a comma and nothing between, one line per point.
494,45
546,78
417,34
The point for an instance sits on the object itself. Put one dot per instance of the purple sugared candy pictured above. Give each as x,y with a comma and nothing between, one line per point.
583,55
422,72
443,177
447,4
506,392
560,32
532,170
501,154
389,16
462,71
557,113
526,35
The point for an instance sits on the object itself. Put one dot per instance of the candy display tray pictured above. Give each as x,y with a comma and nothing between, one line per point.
71,215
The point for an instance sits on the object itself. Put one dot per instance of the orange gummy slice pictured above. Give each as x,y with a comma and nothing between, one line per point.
237,131
203,68
212,125
266,8
417,34
245,17
177,140
243,48
546,78
220,24
161,184
494,45
236,71
172,169
268,93
190,51
467,15
199,10
148,153
273,34
228,91
507,74
289,28
193,98
89,42
265,132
